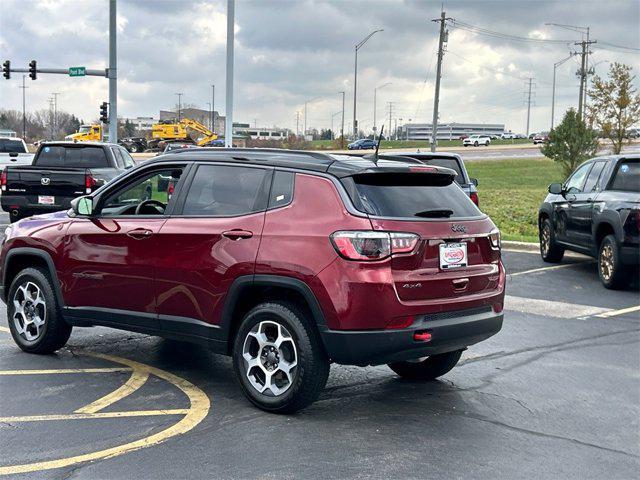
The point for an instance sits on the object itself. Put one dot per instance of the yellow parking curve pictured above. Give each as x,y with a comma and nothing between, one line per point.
192,416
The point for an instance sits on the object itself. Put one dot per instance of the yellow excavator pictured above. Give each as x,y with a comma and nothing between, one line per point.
172,131
87,133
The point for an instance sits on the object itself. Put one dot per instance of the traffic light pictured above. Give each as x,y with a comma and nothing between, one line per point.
104,115
6,69
33,74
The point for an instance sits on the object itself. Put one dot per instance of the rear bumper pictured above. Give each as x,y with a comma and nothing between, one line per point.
449,331
22,204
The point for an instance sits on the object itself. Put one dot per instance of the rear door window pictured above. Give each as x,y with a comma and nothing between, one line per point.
226,191
627,176
409,195
281,189
75,157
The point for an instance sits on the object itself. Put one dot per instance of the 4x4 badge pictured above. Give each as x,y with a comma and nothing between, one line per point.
459,228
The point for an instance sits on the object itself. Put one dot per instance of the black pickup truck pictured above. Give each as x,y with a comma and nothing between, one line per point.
60,172
596,211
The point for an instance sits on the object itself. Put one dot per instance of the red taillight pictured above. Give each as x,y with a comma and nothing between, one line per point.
400,322
89,182
170,189
497,307
422,336
370,246
3,180
423,169
474,198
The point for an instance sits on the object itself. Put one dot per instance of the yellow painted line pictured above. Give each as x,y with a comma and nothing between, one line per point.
136,380
89,416
64,370
5,329
543,269
194,415
622,311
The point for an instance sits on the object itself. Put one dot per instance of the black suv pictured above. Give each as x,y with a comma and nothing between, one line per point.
596,211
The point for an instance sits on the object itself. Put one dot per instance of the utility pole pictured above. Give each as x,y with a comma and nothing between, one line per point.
390,113
54,122
436,99
213,108
24,115
583,75
179,105
530,83
113,74
228,135
342,125
298,123
553,91
355,81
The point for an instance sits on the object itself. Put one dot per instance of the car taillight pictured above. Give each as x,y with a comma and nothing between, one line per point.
474,198
371,246
494,238
89,182
3,180
170,189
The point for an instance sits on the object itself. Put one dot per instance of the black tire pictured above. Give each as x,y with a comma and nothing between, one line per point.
54,331
430,368
312,370
133,149
475,144
550,251
613,274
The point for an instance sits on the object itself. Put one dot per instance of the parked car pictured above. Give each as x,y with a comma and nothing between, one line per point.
463,136
134,144
14,151
508,136
216,143
540,138
596,211
632,133
520,135
176,146
61,171
249,254
362,144
447,160
477,140
532,135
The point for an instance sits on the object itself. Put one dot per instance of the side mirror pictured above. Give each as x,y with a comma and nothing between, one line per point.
474,181
82,206
555,188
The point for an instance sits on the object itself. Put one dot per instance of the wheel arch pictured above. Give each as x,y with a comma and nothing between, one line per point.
17,259
603,229
248,291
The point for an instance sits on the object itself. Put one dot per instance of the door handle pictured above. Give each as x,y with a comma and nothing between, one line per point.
140,233
237,234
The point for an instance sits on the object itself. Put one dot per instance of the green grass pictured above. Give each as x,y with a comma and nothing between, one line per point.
386,144
511,191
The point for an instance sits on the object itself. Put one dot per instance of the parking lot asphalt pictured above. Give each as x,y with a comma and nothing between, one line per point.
555,394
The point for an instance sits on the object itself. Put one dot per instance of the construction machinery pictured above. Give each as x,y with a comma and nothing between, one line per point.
184,130
87,133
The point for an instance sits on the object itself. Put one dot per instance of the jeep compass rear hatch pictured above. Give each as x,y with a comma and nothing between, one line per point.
454,249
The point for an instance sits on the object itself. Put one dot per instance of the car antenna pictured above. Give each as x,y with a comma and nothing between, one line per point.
375,155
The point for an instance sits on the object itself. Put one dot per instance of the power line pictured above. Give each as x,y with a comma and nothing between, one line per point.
505,36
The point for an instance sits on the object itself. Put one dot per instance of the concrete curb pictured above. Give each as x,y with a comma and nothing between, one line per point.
513,245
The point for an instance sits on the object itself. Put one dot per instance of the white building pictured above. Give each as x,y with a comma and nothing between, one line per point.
261,133
447,131
141,123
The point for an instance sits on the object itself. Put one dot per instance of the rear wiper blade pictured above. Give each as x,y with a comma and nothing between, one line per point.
435,213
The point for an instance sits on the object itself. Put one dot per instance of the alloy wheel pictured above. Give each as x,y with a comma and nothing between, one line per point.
545,241
30,310
606,262
270,358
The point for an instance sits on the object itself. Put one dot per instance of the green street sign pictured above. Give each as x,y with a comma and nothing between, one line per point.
77,71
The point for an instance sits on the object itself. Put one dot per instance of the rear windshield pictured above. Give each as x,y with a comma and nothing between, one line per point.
76,157
627,176
11,146
408,195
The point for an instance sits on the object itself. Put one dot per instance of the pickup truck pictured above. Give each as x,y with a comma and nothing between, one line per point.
13,151
60,172
596,211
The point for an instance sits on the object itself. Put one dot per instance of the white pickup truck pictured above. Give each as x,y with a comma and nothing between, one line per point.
13,151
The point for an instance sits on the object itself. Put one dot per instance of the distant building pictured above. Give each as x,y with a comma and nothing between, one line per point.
199,115
447,131
260,133
5,132
141,123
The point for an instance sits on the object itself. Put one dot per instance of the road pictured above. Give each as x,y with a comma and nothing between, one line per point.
554,395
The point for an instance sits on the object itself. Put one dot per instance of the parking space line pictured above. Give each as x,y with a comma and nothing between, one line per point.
622,311
64,371
85,416
5,329
550,308
136,380
553,267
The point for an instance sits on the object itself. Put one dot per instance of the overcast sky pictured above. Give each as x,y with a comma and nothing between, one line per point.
291,51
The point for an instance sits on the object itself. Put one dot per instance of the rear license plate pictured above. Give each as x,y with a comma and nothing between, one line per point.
46,200
453,255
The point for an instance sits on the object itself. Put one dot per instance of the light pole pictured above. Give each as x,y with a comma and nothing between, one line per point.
375,105
342,124
24,114
355,80
213,108
179,104
210,122
333,135
553,90
304,133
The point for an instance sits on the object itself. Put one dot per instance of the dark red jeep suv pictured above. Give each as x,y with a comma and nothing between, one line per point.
285,260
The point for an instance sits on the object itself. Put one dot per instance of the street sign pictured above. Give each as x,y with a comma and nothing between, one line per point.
77,71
